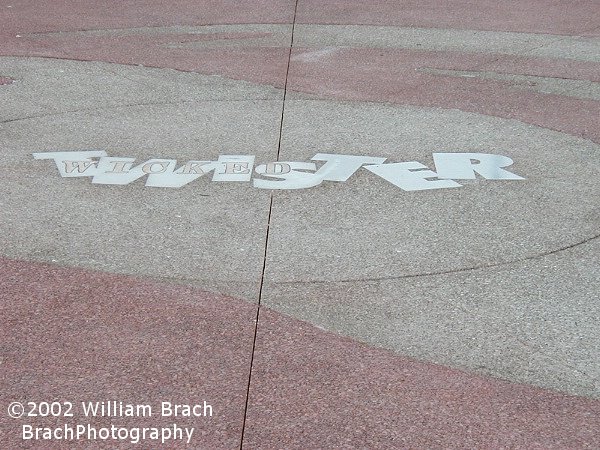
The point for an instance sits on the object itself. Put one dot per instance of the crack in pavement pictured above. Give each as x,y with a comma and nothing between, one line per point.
445,272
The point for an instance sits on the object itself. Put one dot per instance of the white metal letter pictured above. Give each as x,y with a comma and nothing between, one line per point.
73,164
463,166
409,176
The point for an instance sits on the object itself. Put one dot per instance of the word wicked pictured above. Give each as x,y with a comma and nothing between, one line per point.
409,176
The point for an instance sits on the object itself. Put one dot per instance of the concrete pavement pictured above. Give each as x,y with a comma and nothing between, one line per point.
356,313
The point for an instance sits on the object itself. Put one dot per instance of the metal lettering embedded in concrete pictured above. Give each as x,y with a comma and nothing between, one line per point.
408,176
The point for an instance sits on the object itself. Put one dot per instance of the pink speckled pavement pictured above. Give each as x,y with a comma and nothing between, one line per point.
355,311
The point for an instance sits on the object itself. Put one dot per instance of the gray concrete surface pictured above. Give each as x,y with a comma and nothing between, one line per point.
207,233
499,277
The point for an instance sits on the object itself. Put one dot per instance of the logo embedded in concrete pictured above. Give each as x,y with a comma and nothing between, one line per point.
409,176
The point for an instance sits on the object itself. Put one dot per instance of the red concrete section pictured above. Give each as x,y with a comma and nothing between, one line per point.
28,16
266,65
313,389
399,76
532,16
535,16
75,335
22,19
361,74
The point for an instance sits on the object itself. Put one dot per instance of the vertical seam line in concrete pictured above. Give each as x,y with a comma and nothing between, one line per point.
264,266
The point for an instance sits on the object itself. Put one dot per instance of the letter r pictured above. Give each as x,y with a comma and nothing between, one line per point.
463,166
